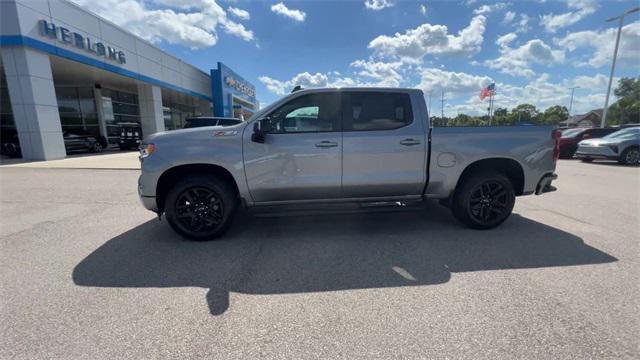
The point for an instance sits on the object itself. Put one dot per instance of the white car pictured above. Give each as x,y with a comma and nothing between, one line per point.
622,145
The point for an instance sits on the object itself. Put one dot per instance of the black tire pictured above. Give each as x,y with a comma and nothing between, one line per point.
483,200
586,160
97,147
567,152
630,156
209,214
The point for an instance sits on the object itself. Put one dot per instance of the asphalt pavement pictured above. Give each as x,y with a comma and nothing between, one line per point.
88,273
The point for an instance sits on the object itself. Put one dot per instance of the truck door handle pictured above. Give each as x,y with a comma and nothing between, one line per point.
410,142
326,144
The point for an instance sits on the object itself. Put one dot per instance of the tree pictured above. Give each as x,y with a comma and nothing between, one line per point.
525,113
555,114
627,108
500,112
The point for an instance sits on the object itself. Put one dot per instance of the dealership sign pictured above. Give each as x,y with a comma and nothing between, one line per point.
240,86
66,36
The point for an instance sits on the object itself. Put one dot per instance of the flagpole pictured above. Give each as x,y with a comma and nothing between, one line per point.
490,108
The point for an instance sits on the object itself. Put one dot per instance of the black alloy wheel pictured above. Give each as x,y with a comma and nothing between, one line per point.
201,207
97,147
488,201
483,200
631,156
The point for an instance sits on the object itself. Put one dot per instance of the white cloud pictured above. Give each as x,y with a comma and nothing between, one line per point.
540,92
523,24
377,5
506,39
453,83
509,16
486,9
602,43
382,74
414,44
305,79
239,13
423,9
517,61
368,73
282,9
194,25
580,10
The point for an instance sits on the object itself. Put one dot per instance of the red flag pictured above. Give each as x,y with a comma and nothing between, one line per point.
484,93
488,91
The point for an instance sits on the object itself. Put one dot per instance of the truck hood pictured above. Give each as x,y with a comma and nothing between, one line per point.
196,132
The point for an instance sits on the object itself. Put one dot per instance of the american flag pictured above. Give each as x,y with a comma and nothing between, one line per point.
488,91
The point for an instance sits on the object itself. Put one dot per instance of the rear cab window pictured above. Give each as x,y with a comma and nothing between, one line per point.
374,111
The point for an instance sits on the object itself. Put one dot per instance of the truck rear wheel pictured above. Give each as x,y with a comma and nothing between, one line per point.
483,200
200,207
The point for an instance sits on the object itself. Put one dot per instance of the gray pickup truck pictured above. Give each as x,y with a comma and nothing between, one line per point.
349,145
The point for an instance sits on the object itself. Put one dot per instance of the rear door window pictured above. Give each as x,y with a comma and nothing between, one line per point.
369,111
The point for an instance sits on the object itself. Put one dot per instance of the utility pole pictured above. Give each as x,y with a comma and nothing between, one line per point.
613,63
571,102
442,106
429,109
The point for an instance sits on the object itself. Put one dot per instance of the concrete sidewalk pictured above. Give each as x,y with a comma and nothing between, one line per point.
109,160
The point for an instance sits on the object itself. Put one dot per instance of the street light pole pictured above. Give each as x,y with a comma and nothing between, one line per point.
571,102
613,63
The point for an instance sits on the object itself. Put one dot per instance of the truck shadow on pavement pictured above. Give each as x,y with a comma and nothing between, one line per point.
302,254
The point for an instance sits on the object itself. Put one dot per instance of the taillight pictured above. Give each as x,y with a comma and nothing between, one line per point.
555,135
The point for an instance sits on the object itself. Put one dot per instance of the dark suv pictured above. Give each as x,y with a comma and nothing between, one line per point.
210,121
571,137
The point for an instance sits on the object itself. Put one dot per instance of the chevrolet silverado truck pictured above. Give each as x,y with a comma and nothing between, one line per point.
348,145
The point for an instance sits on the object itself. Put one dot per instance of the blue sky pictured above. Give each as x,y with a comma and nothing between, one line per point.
534,50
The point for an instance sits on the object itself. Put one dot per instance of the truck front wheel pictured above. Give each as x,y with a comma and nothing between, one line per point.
483,200
200,207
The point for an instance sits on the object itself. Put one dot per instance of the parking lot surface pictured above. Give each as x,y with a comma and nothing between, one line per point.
88,273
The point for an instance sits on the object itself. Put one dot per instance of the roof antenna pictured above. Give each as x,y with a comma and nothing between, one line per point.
297,88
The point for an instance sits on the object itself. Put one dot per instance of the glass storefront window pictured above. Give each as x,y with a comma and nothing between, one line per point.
77,109
119,107
175,112
8,133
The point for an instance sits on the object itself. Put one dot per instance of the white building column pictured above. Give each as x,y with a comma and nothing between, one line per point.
34,104
150,102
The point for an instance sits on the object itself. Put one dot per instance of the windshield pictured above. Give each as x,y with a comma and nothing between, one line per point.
624,133
571,132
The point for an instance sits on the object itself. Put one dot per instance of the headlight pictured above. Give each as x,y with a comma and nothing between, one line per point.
146,150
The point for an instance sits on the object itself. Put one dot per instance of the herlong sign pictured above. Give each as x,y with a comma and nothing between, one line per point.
66,36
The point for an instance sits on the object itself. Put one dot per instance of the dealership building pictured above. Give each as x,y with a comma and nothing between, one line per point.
64,69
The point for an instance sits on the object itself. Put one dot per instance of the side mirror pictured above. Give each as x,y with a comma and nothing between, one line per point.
258,132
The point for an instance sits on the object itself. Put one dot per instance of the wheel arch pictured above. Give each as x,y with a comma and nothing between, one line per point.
174,174
505,166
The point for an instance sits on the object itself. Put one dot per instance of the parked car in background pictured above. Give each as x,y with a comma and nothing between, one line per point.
571,137
130,136
622,126
210,121
82,141
9,143
622,145
74,141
